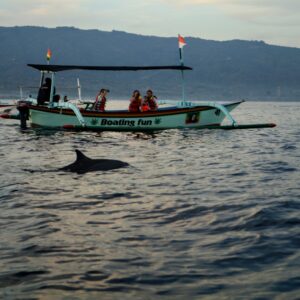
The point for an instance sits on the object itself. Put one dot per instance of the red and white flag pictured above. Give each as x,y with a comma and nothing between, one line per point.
181,41
49,54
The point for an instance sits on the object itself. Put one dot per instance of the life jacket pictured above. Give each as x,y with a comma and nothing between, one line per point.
152,103
135,105
99,104
145,106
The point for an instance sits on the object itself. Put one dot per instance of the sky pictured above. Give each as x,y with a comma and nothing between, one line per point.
273,21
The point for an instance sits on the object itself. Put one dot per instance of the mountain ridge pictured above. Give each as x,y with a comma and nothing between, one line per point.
222,70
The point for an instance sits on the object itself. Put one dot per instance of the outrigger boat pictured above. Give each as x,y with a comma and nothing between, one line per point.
182,114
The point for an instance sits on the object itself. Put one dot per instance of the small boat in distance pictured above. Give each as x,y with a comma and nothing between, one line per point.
66,115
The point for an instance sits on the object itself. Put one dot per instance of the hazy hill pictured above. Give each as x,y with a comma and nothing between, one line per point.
222,70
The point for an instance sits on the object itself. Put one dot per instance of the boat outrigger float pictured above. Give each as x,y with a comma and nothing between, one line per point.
69,116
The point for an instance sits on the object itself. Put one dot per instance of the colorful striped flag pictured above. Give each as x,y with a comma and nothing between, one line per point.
49,53
181,41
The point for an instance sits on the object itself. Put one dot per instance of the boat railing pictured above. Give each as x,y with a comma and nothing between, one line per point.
181,104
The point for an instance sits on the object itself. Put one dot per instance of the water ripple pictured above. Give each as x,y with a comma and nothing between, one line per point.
200,214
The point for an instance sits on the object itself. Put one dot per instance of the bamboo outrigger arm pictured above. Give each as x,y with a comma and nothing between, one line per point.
221,107
224,110
74,108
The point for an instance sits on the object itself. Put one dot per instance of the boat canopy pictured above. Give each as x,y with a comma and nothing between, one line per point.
58,68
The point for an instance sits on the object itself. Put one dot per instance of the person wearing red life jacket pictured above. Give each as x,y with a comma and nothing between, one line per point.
99,104
135,102
150,99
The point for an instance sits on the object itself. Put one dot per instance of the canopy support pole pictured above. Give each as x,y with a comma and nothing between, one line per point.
79,89
52,89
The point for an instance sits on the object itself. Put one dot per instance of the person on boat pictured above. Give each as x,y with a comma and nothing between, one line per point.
100,102
150,100
45,91
56,98
135,102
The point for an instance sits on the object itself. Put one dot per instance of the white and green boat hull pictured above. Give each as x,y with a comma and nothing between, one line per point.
200,116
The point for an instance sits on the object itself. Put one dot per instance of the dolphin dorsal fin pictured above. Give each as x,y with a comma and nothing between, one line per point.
80,155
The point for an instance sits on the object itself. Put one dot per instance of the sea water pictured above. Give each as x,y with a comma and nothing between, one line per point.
198,214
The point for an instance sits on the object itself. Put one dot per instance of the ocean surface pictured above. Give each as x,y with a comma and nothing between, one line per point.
198,214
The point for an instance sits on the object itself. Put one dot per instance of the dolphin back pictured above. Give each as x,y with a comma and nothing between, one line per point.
84,164
80,155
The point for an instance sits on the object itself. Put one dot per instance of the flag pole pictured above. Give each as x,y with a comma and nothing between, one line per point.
182,64
52,89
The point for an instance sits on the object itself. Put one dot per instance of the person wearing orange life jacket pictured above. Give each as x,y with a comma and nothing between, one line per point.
145,106
135,102
150,100
99,104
